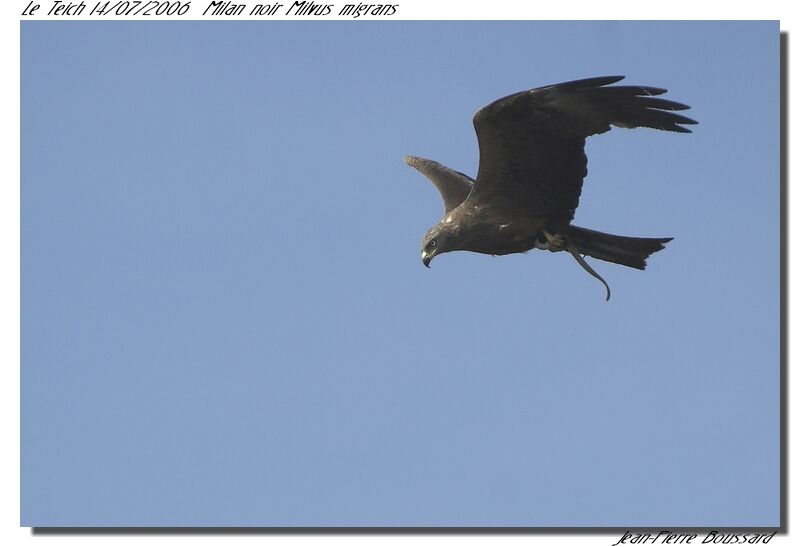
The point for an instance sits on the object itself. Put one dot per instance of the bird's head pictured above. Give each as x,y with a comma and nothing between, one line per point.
439,239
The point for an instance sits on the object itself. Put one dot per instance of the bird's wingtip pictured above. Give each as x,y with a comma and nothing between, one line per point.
601,81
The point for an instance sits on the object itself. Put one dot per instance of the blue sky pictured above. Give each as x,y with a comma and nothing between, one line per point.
225,320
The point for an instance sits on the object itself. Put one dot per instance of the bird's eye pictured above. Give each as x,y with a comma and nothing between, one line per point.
431,244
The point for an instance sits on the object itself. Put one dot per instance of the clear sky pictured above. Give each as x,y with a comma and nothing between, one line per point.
225,319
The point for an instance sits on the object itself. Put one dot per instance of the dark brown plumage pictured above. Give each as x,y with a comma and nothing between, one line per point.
532,166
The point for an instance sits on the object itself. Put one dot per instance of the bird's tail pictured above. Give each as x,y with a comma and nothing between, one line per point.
628,251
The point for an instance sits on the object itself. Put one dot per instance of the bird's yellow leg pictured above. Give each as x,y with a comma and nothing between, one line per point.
555,242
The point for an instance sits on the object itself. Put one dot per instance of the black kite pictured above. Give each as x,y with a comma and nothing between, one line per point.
532,166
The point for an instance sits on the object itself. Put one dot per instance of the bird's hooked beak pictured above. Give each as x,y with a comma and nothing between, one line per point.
426,259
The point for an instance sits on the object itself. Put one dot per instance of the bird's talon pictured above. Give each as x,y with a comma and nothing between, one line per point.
555,242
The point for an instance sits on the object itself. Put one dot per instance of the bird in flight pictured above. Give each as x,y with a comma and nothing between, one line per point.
531,171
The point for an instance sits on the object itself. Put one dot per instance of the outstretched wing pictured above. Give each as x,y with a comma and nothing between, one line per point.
532,143
452,185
